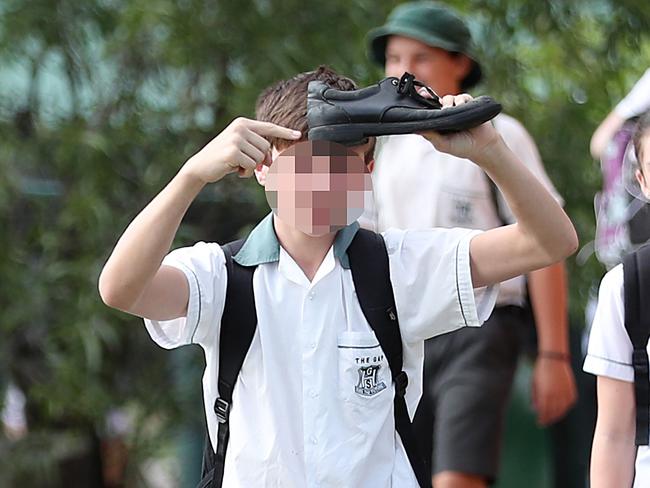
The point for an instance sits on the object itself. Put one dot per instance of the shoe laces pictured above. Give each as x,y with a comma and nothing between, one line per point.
407,86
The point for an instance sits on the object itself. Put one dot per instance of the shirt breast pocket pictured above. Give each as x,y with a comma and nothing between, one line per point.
463,208
365,383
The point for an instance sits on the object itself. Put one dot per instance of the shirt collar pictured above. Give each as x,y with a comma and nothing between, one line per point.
262,245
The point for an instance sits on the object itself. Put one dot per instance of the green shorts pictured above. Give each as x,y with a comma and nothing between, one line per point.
468,376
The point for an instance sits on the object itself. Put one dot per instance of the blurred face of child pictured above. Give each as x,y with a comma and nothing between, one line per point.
318,187
643,174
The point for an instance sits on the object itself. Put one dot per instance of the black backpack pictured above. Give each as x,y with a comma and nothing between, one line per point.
370,272
636,294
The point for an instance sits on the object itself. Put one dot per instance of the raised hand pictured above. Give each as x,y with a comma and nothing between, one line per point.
239,147
471,144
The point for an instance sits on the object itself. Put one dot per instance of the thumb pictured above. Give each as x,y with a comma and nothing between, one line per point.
268,158
245,172
433,137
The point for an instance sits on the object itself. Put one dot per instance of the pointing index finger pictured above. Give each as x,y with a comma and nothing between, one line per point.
269,129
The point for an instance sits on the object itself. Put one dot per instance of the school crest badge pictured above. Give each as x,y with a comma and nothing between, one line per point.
463,212
368,384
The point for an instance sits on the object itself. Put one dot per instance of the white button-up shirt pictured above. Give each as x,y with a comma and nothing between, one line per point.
610,351
313,404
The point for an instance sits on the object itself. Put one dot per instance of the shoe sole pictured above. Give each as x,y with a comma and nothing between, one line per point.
448,120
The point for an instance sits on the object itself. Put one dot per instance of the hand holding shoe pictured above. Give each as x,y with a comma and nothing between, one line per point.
474,144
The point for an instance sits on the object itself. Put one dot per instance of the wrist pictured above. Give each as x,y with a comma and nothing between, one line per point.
554,355
494,152
190,179
192,175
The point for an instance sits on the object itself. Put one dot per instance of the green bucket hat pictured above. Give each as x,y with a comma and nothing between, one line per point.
430,23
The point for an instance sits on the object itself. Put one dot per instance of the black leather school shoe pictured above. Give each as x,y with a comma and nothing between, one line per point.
390,107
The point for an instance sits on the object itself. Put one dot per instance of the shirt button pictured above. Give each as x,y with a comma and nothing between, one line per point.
311,296
313,439
313,393
312,345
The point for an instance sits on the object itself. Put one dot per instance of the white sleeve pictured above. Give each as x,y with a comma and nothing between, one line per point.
432,282
638,100
521,143
610,350
204,267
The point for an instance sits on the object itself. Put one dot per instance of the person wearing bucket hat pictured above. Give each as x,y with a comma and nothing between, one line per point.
433,25
468,374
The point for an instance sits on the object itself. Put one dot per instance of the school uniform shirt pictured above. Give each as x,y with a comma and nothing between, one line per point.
419,187
610,351
313,404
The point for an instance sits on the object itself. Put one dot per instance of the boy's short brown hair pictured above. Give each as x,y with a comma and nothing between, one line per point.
285,102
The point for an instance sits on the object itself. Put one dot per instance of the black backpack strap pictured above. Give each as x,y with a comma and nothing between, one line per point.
238,324
636,279
494,196
371,275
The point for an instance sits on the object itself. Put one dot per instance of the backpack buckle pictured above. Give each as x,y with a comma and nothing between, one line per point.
391,314
222,409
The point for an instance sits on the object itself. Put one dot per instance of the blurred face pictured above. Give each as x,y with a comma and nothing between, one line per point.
435,67
318,187
643,176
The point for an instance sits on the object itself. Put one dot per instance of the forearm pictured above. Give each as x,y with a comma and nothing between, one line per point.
139,252
613,451
133,279
547,289
612,461
545,232
603,134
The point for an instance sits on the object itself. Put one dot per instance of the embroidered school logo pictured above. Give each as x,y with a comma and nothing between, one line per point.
368,385
463,211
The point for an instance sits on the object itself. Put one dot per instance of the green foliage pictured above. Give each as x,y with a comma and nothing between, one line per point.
102,100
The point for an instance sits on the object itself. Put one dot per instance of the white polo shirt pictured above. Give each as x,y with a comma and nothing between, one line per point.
610,350
419,187
297,419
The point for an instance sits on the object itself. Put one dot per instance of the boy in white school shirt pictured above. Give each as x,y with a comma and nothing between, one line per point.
296,418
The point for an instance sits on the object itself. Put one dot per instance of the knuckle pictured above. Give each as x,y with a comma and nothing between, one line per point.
239,124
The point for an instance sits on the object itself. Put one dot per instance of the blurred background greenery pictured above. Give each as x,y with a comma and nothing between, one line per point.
101,101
